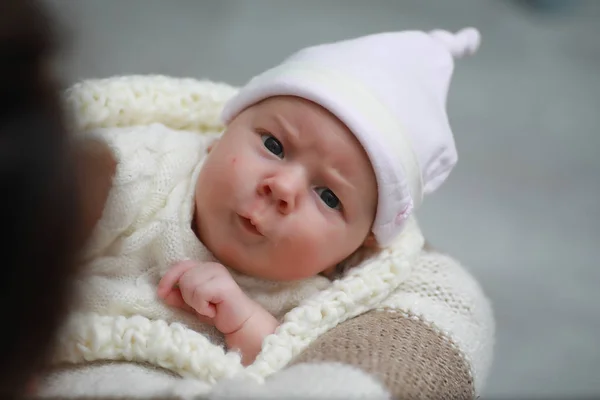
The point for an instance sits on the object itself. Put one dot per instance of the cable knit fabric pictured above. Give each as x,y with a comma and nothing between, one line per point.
161,127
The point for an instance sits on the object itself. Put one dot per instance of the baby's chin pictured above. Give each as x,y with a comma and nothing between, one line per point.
235,259
262,268
255,270
275,273
260,263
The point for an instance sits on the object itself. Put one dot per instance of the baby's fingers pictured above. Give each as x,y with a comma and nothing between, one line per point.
200,303
175,299
172,277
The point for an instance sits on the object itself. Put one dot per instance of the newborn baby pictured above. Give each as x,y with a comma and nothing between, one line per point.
323,159
287,193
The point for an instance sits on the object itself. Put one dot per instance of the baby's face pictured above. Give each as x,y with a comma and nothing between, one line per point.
286,193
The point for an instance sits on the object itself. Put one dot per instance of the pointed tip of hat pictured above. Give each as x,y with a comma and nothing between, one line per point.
459,44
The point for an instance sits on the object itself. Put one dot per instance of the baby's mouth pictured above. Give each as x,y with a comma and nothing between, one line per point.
249,226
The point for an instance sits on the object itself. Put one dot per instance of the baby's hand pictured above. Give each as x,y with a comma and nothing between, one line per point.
209,290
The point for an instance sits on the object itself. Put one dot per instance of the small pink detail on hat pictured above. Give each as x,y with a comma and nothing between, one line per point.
401,216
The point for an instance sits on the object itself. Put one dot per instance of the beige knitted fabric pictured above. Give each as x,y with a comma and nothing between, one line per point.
449,315
409,357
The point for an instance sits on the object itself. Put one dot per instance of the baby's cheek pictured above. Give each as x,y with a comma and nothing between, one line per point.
242,170
333,246
234,164
312,251
225,172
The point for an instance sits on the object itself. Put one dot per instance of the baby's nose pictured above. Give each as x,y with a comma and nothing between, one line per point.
285,189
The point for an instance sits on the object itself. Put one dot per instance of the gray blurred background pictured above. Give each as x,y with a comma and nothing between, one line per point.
520,209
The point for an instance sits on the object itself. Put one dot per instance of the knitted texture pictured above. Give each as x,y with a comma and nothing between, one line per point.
184,104
146,227
431,366
442,293
434,290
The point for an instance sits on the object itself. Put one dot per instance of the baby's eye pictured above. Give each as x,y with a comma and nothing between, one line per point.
329,198
273,145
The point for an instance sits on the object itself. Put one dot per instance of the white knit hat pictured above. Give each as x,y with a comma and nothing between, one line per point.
390,90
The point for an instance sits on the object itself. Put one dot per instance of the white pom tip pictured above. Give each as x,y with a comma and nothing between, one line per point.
464,42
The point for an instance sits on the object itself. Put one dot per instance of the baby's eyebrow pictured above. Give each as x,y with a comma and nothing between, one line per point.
340,179
330,173
287,128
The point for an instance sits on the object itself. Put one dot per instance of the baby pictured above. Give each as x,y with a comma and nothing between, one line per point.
323,157
292,193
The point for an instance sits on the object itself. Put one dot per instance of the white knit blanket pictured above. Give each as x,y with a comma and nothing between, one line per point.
191,105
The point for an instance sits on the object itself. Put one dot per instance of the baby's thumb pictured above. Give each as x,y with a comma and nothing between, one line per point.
207,309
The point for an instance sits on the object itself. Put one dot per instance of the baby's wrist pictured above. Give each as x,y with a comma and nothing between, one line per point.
249,337
235,314
259,321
